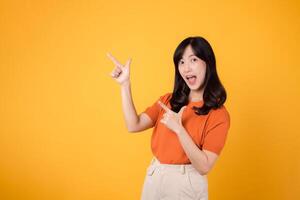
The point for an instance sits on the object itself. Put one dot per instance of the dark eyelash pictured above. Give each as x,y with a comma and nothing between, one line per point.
192,59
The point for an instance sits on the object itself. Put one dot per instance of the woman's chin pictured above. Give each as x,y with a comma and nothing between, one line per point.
193,87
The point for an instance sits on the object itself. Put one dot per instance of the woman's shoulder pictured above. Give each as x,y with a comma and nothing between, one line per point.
165,97
220,114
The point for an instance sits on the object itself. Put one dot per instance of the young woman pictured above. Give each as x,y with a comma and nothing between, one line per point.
190,125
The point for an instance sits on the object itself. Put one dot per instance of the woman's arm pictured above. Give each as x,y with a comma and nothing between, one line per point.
133,122
203,160
121,74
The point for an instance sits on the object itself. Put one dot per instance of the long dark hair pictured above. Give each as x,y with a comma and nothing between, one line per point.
214,95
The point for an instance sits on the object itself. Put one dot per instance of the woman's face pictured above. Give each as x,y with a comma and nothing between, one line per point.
192,69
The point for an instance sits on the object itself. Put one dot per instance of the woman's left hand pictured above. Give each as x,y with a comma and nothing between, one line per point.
172,119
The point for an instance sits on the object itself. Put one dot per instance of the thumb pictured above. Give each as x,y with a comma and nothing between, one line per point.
181,111
128,62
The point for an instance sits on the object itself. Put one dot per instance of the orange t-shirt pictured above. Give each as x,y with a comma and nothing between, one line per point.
208,132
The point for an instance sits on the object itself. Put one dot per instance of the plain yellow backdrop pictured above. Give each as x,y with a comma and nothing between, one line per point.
62,131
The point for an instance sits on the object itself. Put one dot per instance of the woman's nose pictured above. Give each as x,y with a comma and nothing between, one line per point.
186,68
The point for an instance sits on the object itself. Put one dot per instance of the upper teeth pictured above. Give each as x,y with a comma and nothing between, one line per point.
190,76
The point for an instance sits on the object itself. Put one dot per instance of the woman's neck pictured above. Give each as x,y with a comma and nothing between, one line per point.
195,95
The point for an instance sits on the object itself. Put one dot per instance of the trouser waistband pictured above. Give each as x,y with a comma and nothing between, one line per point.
182,168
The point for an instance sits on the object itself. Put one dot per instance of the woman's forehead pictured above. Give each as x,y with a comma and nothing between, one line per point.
188,52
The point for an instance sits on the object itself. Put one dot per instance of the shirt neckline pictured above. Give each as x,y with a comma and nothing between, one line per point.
196,103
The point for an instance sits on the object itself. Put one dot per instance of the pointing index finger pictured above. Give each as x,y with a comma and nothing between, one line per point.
115,61
163,106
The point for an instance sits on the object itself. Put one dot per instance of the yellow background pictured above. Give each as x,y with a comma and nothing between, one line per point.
62,131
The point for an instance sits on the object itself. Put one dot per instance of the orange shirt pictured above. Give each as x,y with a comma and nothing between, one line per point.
208,132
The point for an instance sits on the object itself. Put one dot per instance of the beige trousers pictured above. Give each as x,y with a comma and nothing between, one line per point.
174,182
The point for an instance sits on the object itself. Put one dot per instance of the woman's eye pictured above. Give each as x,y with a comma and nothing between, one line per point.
180,62
194,59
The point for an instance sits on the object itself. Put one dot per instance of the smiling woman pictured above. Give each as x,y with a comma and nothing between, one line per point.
190,125
195,57
192,68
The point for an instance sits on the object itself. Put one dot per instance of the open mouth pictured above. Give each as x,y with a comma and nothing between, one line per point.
191,79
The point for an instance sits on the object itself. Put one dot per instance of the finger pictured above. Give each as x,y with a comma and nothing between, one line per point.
114,74
115,61
181,111
165,117
118,70
128,62
163,121
163,106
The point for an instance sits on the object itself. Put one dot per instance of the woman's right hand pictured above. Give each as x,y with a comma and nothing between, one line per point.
120,73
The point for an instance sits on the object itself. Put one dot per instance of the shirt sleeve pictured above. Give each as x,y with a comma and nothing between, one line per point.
217,129
153,110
